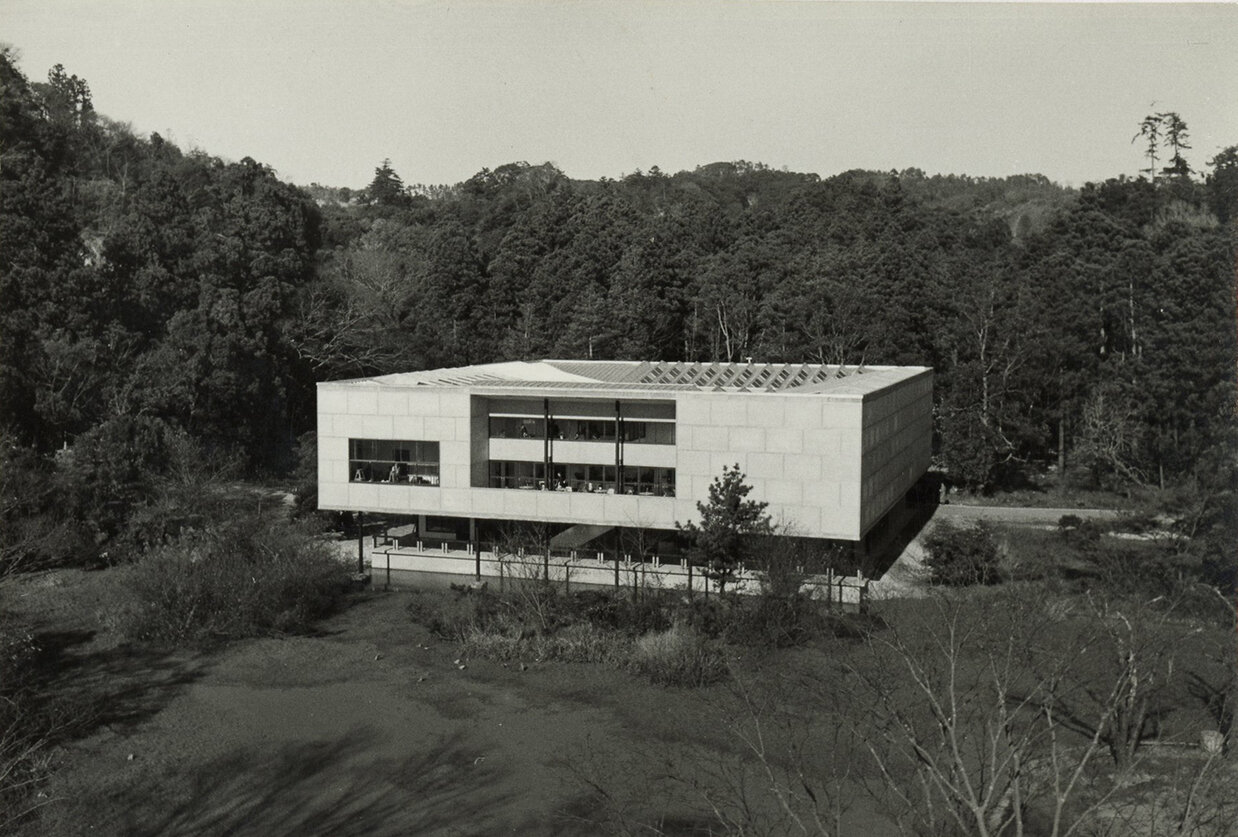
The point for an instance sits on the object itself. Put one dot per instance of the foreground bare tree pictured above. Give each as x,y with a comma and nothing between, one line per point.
987,715
523,553
993,716
959,728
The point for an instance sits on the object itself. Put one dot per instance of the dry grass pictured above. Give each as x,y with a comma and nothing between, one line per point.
582,643
678,657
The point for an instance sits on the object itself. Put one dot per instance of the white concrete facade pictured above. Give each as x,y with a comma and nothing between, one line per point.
831,450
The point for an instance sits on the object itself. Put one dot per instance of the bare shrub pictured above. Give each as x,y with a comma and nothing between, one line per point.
245,578
523,551
679,656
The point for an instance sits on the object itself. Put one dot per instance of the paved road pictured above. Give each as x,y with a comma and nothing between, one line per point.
1017,514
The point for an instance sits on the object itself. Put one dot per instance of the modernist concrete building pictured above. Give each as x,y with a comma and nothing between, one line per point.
593,445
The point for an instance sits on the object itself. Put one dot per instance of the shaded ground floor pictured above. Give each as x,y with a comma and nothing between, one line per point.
486,539
392,549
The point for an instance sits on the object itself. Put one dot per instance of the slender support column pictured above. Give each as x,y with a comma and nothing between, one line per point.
476,548
547,454
618,448
360,543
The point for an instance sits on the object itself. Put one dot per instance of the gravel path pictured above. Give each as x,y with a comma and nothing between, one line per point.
957,512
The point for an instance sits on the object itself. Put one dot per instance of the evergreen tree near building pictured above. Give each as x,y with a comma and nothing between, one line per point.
729,525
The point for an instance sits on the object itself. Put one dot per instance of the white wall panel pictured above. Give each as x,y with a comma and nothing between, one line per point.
409,428
332,401
392,402
724,413
780,439
709,438
363,400
442,428
689,462
424,401
692,411
765,410
802,412
746,439
780,492
653,456
804,467
333,495
373,427
765,466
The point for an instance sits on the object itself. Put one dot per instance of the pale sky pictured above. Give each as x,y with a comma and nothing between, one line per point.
323,91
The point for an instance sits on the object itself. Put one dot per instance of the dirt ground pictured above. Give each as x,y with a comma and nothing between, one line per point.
369,728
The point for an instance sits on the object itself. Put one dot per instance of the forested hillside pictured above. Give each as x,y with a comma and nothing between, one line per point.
156,288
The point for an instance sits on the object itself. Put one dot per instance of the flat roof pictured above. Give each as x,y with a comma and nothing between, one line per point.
656,376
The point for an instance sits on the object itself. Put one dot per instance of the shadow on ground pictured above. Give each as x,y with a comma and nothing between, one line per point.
328,787
890,553
122,686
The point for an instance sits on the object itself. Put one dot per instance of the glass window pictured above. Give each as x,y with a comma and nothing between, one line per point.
517,427
599,430
649,432
567,476
661,433
394,461
649,482
582,430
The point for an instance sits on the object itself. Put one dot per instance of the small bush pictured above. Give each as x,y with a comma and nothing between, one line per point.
958,556
1078,530
712,617
680,656
464,613
246,578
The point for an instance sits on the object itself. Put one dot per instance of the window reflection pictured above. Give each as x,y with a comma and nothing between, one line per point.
596,479
393,461
582,430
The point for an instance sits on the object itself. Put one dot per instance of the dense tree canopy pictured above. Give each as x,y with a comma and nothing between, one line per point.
1092,328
